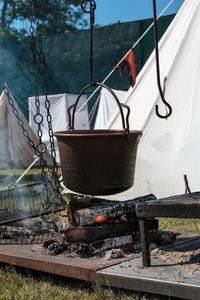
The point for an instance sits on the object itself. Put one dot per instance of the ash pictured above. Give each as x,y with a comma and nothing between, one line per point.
185,258
60,246
32,231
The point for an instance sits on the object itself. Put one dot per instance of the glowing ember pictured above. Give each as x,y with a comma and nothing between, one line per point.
101,219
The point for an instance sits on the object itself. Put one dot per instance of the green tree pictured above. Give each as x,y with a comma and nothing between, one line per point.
56,16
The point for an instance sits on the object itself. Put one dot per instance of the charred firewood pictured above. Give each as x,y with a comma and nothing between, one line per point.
165,237
94,233
126,242
92,215
111,243
77,202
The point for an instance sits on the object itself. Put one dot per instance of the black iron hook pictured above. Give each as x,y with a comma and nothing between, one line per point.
158,67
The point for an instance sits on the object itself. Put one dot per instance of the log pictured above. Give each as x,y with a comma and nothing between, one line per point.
126,242
78,202
88,216
94,233
111,243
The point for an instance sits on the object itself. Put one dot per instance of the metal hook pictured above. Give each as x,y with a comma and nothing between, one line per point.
158,68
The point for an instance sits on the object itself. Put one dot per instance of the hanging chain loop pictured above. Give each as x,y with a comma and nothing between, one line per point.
90,3
158,68
90,10
39,63
33,69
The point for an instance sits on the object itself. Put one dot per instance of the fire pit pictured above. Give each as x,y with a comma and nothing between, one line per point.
96,226
100,233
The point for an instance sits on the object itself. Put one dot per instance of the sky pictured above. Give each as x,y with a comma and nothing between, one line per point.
111,11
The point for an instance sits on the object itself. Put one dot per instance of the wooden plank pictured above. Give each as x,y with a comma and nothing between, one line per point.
180,206
29,256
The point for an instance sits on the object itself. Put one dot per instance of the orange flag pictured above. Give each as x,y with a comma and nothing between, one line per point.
129,61
130,58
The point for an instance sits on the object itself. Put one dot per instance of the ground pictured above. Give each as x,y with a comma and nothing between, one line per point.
22,284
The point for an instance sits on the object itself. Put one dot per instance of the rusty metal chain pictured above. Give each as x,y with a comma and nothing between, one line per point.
90,10
41,69
33,69
20,121
30,141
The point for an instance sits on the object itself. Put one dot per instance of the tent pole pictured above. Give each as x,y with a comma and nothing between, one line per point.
24,173
31,165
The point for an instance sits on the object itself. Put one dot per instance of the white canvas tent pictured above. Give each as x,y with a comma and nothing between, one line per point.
58,109
14,147
169,148
107,106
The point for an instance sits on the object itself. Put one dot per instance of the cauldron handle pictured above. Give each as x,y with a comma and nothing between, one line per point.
127,115
69,116
120,105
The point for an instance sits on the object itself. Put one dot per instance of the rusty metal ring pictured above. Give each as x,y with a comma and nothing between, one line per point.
32,63
42,67
43,147
84,4
31,29
42,57
38,118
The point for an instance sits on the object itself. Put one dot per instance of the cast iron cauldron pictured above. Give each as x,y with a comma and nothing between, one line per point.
98,162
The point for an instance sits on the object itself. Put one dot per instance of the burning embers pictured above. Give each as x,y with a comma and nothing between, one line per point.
101,227
30,231
97,228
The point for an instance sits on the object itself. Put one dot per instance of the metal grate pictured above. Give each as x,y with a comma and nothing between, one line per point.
28,201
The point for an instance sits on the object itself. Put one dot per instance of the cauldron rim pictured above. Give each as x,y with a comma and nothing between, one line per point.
95,133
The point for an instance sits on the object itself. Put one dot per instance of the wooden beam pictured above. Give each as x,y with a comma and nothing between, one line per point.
180,206
144,239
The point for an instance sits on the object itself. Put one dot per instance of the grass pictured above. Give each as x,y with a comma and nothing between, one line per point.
180,225
18,284
22,284
8,176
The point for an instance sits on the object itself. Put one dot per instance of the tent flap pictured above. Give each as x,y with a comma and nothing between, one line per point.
169,148
15,150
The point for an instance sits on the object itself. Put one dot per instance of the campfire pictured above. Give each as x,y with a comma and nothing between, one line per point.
92,227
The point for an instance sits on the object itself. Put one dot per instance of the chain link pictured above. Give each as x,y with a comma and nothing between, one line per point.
21,124
33,69
42,67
